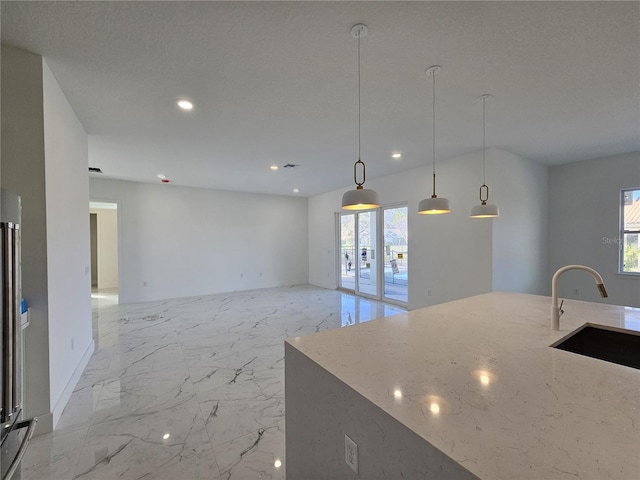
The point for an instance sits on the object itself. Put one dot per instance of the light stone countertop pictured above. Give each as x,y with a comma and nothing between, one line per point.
477,379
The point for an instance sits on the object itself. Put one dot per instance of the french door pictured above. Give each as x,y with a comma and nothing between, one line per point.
373,253
358,252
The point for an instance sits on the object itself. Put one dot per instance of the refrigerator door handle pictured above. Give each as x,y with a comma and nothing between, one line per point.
7,321
31,426
15,319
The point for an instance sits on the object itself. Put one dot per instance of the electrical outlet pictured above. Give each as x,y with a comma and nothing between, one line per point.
576,292
351,453
428,293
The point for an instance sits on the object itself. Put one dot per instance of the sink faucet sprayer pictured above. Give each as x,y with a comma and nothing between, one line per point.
556,311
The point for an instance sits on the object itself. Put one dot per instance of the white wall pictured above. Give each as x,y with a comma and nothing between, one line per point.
44,160
107,251
453,256
585,209
189,241
69,258
23,173
520,238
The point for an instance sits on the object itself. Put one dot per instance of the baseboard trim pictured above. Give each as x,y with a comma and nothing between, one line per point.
71,385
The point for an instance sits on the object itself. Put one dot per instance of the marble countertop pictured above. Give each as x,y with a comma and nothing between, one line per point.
478,380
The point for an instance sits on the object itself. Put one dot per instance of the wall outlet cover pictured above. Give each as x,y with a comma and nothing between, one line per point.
351,453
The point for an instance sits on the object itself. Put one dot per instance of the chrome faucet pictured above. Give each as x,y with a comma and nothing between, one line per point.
556,311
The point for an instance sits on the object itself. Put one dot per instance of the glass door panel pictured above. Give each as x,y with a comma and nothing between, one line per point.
396,254
367,271
348,257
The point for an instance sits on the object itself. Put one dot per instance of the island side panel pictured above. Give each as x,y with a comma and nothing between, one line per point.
320,410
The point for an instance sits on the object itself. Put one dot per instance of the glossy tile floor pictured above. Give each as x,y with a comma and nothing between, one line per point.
189,388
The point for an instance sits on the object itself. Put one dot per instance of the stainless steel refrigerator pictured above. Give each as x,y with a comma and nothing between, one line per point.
15,432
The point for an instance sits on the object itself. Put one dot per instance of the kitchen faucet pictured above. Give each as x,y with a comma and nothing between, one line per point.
556,311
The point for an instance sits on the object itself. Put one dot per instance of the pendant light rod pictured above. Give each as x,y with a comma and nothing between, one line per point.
359,31
484,210
359,98
433,122
360,198
483,99
484,146
433,205
432,72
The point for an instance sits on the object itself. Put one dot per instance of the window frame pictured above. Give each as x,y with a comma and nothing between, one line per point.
623,232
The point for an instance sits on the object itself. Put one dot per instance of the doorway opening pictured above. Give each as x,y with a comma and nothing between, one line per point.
103,223
366,269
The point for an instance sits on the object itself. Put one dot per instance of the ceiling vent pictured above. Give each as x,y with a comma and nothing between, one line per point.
291,165
94,170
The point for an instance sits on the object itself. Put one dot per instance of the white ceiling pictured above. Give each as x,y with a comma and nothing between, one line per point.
276,83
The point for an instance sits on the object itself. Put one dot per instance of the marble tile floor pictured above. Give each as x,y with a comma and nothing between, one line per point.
188,388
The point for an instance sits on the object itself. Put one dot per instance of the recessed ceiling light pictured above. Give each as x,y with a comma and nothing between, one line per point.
161,177
295,190
274,167
185,104
397,156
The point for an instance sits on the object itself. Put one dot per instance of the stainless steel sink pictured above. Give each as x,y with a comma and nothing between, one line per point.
616,346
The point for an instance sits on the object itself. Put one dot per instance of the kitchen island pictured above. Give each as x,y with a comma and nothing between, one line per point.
466,389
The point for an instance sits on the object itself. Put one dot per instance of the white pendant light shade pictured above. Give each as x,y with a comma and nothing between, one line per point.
360,199
433,206
485,210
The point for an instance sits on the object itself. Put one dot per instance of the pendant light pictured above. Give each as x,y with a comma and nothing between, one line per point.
434,205
360,198
484,210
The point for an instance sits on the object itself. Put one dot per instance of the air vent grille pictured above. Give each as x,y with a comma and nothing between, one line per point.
291,165
94,170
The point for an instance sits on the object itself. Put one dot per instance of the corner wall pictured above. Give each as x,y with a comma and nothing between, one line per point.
520,234
69,258
23,172
44,160
585,201
178,241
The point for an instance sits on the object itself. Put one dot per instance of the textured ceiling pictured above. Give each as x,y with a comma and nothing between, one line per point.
276,83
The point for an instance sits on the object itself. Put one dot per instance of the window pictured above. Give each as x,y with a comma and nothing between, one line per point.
396,253
630,231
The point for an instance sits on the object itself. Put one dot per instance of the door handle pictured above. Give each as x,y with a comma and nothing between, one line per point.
31,426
